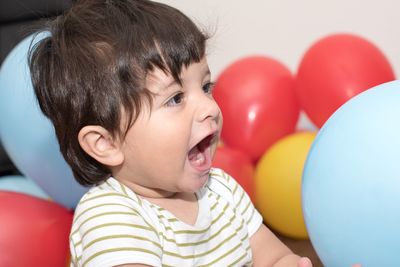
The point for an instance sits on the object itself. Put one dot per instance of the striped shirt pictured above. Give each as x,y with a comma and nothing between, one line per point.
113,225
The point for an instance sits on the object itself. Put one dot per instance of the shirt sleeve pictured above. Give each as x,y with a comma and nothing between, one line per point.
109,230
241,201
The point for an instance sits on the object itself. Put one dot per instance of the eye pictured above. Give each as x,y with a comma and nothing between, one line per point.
175,100
208,87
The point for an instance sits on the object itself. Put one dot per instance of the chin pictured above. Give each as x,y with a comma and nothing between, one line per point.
197,182
202,180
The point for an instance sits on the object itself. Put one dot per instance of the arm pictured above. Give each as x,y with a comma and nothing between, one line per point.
268,250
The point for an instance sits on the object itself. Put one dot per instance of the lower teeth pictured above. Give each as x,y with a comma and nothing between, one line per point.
200,159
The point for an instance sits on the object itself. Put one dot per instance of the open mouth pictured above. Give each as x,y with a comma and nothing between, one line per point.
200,155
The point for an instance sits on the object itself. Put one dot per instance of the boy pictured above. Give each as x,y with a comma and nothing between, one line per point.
128,89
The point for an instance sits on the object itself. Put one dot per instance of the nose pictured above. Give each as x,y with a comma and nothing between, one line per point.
208,109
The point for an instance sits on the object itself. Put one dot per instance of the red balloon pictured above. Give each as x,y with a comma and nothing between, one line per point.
257,99
238,165
33,232
335,69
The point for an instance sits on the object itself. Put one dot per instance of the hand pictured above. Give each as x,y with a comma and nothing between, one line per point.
306,262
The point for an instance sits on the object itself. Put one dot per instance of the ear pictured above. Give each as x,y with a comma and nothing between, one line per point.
98,143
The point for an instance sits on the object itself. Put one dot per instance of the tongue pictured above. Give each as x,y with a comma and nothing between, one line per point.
196,157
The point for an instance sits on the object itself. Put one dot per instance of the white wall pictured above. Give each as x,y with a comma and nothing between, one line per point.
285,29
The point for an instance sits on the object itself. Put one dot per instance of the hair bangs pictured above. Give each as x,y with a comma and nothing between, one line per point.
176,43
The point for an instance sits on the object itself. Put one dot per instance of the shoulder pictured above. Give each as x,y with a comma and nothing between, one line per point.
108,205
222,183
219,176
110,226
110,195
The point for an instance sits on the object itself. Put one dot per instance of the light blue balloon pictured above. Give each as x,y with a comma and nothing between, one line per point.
27,135
21,184
351,182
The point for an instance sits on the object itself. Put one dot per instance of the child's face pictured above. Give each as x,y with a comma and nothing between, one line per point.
170,147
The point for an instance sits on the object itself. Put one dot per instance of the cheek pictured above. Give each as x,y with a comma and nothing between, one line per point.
169,141
164,138
172,149
174,129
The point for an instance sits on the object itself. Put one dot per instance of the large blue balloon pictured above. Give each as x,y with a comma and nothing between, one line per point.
27,135
351,182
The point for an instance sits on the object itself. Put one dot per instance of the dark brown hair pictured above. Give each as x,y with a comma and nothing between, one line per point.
93,64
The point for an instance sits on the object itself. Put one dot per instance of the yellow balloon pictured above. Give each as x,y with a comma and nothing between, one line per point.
278,184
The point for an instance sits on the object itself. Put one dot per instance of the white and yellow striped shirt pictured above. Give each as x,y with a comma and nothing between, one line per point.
113,226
